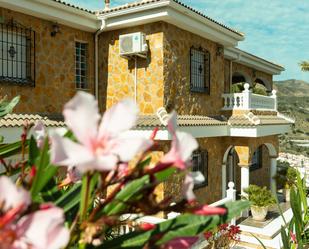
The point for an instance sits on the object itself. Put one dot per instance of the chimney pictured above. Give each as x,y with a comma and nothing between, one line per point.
107,4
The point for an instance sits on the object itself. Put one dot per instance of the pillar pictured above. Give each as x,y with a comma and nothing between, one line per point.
245,174
223,180
273,172
245,180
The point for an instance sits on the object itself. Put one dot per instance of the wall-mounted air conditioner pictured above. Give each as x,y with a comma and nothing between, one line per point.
133,44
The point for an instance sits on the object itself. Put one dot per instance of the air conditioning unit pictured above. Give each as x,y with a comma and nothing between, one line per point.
133,44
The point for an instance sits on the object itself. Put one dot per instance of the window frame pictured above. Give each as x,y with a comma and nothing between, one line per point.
17,34
207,71
205,161
78,85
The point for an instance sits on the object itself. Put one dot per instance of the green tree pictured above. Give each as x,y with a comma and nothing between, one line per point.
304,66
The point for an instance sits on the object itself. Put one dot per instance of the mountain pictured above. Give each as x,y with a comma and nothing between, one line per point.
293,100
292,88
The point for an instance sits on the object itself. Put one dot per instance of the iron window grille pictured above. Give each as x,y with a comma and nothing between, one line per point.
200,164
257,159
17,54
81,69
199,70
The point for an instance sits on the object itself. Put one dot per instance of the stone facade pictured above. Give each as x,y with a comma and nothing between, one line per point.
117,74
163,79
54,65
177,94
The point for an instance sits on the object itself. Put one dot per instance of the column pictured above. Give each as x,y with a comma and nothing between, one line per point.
245,174
273,172
223,174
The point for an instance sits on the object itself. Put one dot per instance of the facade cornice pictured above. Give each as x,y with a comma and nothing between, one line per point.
253,61
173,13
55,11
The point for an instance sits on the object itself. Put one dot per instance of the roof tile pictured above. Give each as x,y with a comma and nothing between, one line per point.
18,120
144,2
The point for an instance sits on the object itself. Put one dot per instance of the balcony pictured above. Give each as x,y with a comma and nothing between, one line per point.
247,100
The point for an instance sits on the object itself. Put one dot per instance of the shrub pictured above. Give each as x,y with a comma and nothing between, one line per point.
259,196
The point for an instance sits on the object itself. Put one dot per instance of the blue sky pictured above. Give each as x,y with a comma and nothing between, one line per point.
277,30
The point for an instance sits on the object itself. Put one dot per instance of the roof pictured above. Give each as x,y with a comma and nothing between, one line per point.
257,120
74,6
145,2
19,120
244,120
252,60
182,121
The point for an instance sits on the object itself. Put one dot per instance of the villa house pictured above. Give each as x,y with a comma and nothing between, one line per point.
166,56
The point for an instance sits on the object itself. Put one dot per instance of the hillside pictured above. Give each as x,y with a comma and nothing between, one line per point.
293,97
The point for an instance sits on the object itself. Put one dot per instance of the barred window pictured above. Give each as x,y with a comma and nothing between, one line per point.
17,54
200,167
200,70
81,62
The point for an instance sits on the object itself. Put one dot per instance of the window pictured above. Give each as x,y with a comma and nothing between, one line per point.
200,70
200,168
81,65
257,159
17,54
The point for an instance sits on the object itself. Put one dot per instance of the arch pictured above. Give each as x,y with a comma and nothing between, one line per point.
264,82
271,149
226,154
240,77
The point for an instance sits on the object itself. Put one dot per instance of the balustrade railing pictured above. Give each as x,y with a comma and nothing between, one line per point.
247,100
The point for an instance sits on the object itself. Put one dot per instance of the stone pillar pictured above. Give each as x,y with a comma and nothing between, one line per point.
223,174
273,172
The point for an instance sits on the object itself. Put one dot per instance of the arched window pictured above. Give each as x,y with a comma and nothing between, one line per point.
200,168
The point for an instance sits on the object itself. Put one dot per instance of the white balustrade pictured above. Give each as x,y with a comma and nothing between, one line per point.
249,101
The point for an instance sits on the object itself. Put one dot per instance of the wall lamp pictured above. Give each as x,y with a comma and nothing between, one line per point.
55,30
220,51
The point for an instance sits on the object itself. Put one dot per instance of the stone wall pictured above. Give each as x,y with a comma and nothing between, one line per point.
177,94
54,64
117,73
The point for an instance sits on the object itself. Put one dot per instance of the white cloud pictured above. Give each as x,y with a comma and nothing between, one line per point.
277,30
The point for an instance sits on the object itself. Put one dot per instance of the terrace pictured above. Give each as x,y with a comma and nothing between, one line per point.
246,100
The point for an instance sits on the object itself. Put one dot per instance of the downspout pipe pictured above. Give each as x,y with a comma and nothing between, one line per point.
96,59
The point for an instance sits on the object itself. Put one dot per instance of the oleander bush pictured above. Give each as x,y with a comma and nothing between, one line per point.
73,189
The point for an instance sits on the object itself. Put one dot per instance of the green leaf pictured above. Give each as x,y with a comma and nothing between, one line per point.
33,151
182,225
88,184
7,150
261,243
7,107
70,198
285,239
127,193
165,174
45,171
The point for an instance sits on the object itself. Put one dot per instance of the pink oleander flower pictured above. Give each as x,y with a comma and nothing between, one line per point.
11,196
208,210
39,132
183,144
187,188
43,229
100,146
72,176
181,243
